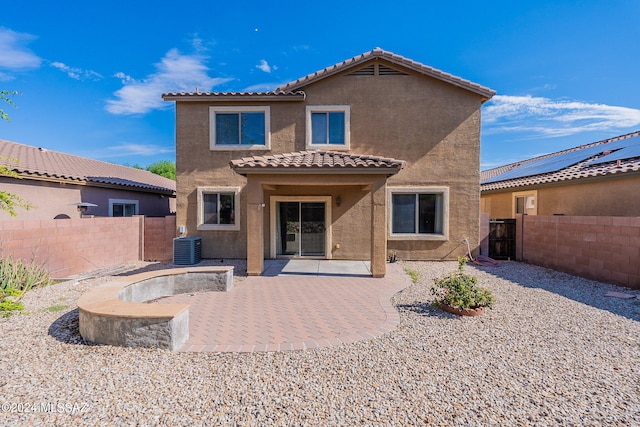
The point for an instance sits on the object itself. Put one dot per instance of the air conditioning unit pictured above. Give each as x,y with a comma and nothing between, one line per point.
187,250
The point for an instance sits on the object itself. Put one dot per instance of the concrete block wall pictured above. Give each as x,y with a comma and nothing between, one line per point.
158,238
602,248
66,247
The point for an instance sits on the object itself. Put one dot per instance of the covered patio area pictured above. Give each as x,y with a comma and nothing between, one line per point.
314,204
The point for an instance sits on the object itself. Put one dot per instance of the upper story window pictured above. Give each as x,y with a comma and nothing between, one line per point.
239,128
419,213
328,127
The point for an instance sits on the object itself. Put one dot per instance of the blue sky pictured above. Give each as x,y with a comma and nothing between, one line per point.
91,74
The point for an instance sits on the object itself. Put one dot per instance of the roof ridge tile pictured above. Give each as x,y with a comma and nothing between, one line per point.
393,57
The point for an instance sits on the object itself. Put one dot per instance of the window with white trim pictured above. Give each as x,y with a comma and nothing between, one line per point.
239,128
419,213
328,127
123,207
218,208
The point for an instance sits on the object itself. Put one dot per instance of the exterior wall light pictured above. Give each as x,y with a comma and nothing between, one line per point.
83,206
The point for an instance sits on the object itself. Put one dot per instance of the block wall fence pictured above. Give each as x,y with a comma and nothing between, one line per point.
66,247
602,248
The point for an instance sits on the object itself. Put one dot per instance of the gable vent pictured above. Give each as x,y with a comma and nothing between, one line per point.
386,71
364,71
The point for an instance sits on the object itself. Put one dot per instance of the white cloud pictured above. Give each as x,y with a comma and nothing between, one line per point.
125,78
264,66
262,87
551,118
14,54
175,73
131,149
76,73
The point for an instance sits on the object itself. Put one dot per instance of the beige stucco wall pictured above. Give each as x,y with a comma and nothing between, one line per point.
611,197
601,197
432,125
350,222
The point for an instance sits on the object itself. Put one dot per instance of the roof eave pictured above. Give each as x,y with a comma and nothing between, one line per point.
57,179
221,97
316,171
556,182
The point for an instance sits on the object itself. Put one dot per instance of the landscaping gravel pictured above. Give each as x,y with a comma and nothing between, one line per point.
553,351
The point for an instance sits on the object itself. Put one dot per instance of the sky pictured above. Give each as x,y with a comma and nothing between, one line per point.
90,75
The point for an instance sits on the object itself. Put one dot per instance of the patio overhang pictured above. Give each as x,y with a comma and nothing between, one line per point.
318,162
317,169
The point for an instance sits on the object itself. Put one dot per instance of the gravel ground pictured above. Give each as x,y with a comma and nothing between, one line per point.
553,351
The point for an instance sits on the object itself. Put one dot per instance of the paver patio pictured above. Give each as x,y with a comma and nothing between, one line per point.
294,307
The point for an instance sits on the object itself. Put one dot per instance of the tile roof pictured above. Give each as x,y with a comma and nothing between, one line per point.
591,167
222,96
314,161
293,90
53,165
393,58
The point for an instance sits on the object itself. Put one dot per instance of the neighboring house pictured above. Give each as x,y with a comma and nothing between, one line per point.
56,183
377,153
597,179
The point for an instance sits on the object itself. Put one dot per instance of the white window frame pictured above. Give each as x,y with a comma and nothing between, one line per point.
444,191
124,202
215,190
273,224
530,202
248,109
346,109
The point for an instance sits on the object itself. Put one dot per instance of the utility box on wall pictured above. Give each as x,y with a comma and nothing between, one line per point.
187,250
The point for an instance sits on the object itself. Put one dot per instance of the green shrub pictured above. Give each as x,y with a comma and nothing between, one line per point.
8,306
16,278
413,274
55,308
460,290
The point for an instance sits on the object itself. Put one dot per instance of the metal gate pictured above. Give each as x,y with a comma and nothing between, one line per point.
502,239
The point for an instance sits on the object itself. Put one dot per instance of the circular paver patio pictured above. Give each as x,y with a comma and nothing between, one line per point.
292,312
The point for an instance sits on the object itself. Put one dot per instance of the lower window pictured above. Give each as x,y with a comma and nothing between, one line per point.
119,207
218,208
419,213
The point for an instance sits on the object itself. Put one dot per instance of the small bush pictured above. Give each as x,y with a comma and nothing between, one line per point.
16,278
55,308
460,290
413,274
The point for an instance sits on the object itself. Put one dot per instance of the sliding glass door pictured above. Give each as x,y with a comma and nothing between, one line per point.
300,229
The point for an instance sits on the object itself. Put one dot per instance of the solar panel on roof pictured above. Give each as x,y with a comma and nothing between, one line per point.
548,164
629,149
561,161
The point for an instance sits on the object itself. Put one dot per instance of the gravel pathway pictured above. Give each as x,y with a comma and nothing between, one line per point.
553,351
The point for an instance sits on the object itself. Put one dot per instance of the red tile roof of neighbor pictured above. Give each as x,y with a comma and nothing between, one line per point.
294,88
592,164
311,161
44,164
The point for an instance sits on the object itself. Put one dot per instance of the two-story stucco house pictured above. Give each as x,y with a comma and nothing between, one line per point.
375,154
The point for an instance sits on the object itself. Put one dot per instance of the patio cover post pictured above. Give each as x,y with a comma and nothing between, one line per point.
255,227
379,226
